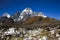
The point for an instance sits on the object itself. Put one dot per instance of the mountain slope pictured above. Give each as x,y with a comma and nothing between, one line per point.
38,21
28,18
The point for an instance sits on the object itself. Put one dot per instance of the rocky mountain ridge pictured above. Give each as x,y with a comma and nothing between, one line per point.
27,18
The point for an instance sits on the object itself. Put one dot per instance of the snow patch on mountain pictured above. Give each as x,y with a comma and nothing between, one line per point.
41,14
28,11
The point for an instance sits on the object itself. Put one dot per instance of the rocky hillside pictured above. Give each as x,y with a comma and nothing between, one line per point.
36,21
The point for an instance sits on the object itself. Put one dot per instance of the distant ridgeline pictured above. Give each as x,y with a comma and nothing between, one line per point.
28,19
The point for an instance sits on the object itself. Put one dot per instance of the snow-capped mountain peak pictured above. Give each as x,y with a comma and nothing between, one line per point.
6,15
26,11
29,11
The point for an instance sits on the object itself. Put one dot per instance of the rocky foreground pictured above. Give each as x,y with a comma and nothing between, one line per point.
30,34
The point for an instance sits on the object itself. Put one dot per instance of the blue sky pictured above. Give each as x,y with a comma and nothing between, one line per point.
50,8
